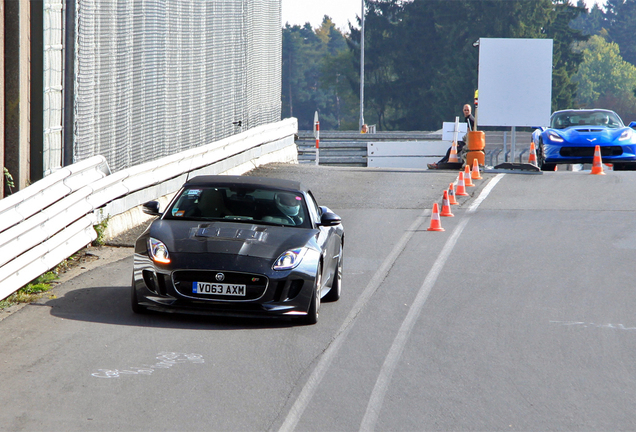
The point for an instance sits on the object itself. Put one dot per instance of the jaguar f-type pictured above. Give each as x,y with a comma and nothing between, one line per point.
239,246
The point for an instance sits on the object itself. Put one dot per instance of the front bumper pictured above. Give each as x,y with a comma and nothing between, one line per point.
581,154
268,292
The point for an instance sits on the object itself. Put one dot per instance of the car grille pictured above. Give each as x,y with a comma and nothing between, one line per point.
589,151
255,284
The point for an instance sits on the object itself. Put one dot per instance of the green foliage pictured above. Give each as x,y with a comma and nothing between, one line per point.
422,66
100,228
8,180
317,74
32,291
605,79
620,18
590,22
420,63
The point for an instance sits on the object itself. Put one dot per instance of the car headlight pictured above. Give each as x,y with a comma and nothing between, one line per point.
627,134
289,259
554,137
158,251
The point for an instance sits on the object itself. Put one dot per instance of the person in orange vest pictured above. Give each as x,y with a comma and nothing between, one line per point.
364,129
468,117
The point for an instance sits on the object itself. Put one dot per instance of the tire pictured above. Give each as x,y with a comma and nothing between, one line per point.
314,307
541,159
336,287
624,167
134,302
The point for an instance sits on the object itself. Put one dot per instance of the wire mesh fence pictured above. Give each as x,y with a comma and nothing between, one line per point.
53,61
157,77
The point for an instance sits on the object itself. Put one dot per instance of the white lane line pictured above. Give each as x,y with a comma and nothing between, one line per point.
395,352
484,193
308,391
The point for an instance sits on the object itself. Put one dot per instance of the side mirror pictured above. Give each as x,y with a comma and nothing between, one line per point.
633,125
151,208
329,218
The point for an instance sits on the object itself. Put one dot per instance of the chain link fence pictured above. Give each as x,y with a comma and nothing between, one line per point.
53,84
158,77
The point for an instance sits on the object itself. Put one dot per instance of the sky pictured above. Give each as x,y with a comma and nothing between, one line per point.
341,11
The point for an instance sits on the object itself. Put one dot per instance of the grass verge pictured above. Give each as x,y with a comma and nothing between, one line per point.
43,283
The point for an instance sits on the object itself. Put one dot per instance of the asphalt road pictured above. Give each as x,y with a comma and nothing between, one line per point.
518,317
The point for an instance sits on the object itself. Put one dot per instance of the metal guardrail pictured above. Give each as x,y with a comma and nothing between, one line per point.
349,148
47,222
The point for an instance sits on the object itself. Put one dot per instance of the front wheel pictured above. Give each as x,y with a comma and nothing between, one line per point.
541,159
314,306
134,302
336,287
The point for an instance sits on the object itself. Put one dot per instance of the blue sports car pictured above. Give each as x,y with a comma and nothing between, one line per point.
573,135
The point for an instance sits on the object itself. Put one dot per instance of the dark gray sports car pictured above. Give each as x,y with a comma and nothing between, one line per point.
239,246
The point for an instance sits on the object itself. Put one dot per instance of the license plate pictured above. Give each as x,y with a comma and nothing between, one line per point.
218,288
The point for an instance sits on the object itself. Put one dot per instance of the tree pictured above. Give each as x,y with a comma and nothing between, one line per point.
311,75
590,22
621,19
566,61
605,79
422,64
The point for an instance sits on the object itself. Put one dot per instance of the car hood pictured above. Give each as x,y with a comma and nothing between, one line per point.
240,239
590,135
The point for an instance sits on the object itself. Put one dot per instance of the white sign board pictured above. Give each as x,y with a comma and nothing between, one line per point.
515,82
448,129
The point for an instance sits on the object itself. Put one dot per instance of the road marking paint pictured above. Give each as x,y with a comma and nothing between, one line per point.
586,325
484,193
167,360
310,387
395,352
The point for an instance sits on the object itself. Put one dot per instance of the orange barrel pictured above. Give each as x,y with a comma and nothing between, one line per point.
476,144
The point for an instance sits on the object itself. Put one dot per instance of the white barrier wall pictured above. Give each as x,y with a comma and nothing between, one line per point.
405,154
47,222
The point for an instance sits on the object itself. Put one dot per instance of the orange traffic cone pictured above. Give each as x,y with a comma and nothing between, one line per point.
446,210
467,181
597,164
461,187
475,173
436,224
452,157
532,158
451,195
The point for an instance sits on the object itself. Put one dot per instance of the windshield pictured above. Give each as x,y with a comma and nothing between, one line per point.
244,204
562,120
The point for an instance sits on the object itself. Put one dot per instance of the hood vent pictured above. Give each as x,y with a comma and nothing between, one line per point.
256,234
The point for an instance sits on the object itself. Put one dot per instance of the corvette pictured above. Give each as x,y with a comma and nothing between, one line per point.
573,135
239,246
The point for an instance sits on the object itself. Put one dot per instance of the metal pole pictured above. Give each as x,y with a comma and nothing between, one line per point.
513,144
317,136
362,69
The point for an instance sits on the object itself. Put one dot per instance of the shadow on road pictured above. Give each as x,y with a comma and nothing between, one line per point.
111,305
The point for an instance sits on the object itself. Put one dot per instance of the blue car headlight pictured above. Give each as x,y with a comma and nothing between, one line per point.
627,134
158,251
552,136
290,259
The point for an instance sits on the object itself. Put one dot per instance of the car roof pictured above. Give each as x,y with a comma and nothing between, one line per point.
574,111
233,180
